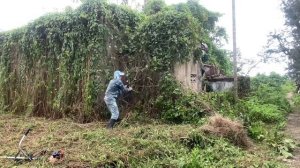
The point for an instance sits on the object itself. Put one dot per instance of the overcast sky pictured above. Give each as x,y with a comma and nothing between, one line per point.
254,19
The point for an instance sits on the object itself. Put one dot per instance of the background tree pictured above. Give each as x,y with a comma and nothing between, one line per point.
287,42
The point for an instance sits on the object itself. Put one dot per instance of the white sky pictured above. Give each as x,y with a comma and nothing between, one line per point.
254,20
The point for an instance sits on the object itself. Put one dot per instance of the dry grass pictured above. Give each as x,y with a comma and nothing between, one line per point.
226,128
91,145
87,145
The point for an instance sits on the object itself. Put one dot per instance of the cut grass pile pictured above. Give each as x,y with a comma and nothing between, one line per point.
231,130
151,145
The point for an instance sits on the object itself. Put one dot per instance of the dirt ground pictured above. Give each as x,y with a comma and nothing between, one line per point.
293,130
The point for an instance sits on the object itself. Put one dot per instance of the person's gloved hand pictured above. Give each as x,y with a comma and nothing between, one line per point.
130,89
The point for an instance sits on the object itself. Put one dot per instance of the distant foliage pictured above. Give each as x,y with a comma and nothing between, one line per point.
272,80
268,101
268,113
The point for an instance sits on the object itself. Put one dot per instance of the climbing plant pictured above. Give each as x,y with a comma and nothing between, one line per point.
59,65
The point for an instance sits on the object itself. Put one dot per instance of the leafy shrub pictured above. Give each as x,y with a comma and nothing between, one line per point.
272,95
223,102
154,6
296,100
266,103
257,130
280,143
268,113
219,154
178,106
272,89
288,86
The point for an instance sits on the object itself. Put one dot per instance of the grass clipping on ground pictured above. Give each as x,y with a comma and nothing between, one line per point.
150,145
226,128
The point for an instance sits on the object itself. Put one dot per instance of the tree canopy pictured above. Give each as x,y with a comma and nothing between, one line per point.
291,9
287,42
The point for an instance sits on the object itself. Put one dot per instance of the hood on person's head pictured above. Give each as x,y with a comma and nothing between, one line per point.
118,74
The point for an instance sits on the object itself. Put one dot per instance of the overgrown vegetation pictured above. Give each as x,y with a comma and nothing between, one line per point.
272,92
214,142
263,112
179,106
59,65
89,145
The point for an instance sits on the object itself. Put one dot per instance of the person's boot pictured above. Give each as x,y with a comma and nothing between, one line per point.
119,120
111,123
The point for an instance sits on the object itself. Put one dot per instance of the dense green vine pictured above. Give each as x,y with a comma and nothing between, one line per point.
168,37
59,65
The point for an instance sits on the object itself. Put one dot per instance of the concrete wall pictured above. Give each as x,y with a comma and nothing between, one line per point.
188,74
221,86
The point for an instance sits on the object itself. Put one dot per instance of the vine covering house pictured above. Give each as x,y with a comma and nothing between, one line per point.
59,65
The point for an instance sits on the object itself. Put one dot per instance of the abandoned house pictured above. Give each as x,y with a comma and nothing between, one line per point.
198,77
